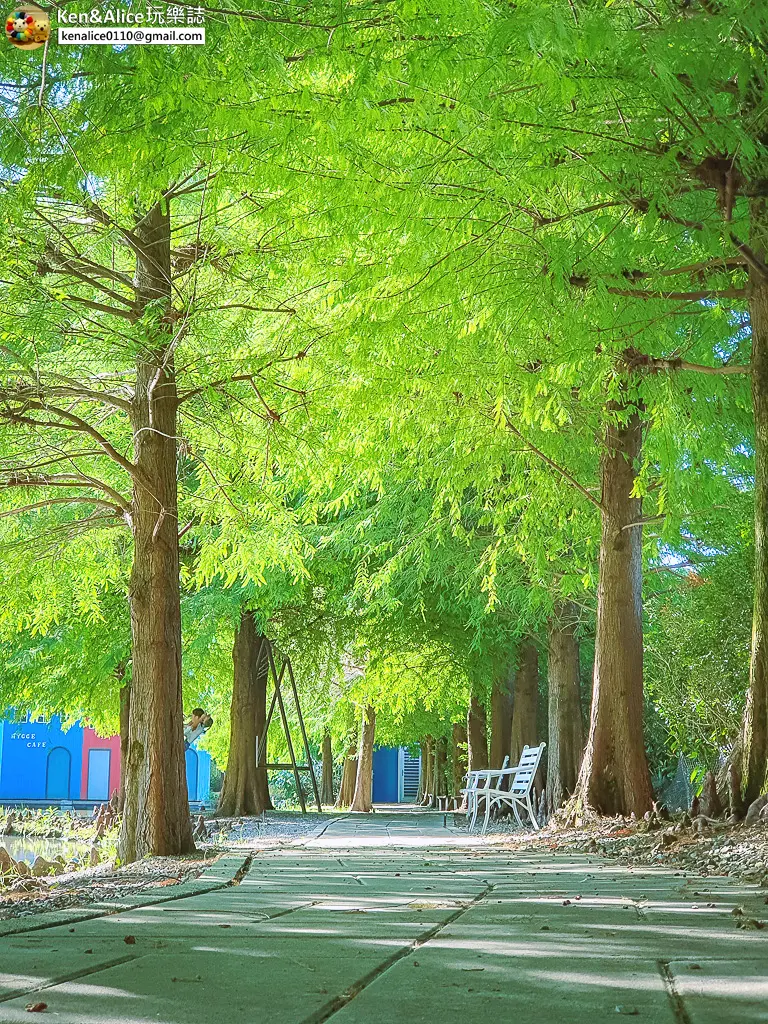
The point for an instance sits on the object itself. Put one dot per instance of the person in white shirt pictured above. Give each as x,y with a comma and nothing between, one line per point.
198,723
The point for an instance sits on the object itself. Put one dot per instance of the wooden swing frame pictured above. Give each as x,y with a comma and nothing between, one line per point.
277,700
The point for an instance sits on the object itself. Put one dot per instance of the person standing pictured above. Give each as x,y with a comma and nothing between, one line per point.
199,722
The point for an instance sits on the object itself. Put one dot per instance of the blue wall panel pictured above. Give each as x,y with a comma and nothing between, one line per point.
25,749
190,757
385,775
40,761
203,776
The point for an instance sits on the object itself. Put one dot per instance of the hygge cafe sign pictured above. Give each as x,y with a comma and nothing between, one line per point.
30,737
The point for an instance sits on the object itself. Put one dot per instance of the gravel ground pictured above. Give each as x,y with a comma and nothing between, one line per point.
274,828
737,850
94,885
30,896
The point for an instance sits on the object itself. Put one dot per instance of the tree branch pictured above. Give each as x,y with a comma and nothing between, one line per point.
255,309
554,465
61,501
632,359
64,391
644,520
68,480
73,423
102,307
750,257
64,264
249,377
723,263
74,391
723,293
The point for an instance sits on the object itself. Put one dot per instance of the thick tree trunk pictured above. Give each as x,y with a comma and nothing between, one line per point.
261,669
326,789
755,732
501,718
422,771
348,777
477,741
156,812
363,798
125,712
458,758
428,771
566,728
526,701
614,776
245,789
441,766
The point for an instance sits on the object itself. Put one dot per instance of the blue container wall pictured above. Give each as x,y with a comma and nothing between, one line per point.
385,777
198,767
203,776
40,761
25,749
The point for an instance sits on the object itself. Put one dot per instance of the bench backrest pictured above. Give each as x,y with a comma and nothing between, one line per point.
474,781
526,770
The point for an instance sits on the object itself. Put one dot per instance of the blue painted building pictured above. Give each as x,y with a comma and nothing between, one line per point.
396,774
42,763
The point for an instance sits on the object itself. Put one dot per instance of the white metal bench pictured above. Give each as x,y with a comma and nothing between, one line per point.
519,793
478,781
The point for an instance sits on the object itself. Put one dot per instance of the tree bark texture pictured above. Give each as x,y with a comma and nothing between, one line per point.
125,713
156,811
755,731
614,776
245,790
428,771
458,758
477,739
326,788
348,777
566,728
422,771
526,701
501,718
441,766
363,798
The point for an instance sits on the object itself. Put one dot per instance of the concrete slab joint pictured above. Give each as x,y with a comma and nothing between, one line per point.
396,916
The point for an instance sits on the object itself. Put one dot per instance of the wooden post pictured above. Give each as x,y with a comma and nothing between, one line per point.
284,718
310,765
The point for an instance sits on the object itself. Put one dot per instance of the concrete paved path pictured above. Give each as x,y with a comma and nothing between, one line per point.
397,917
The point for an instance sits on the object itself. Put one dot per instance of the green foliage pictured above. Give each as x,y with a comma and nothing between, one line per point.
422,255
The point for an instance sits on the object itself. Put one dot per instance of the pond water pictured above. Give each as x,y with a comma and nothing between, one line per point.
27,848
